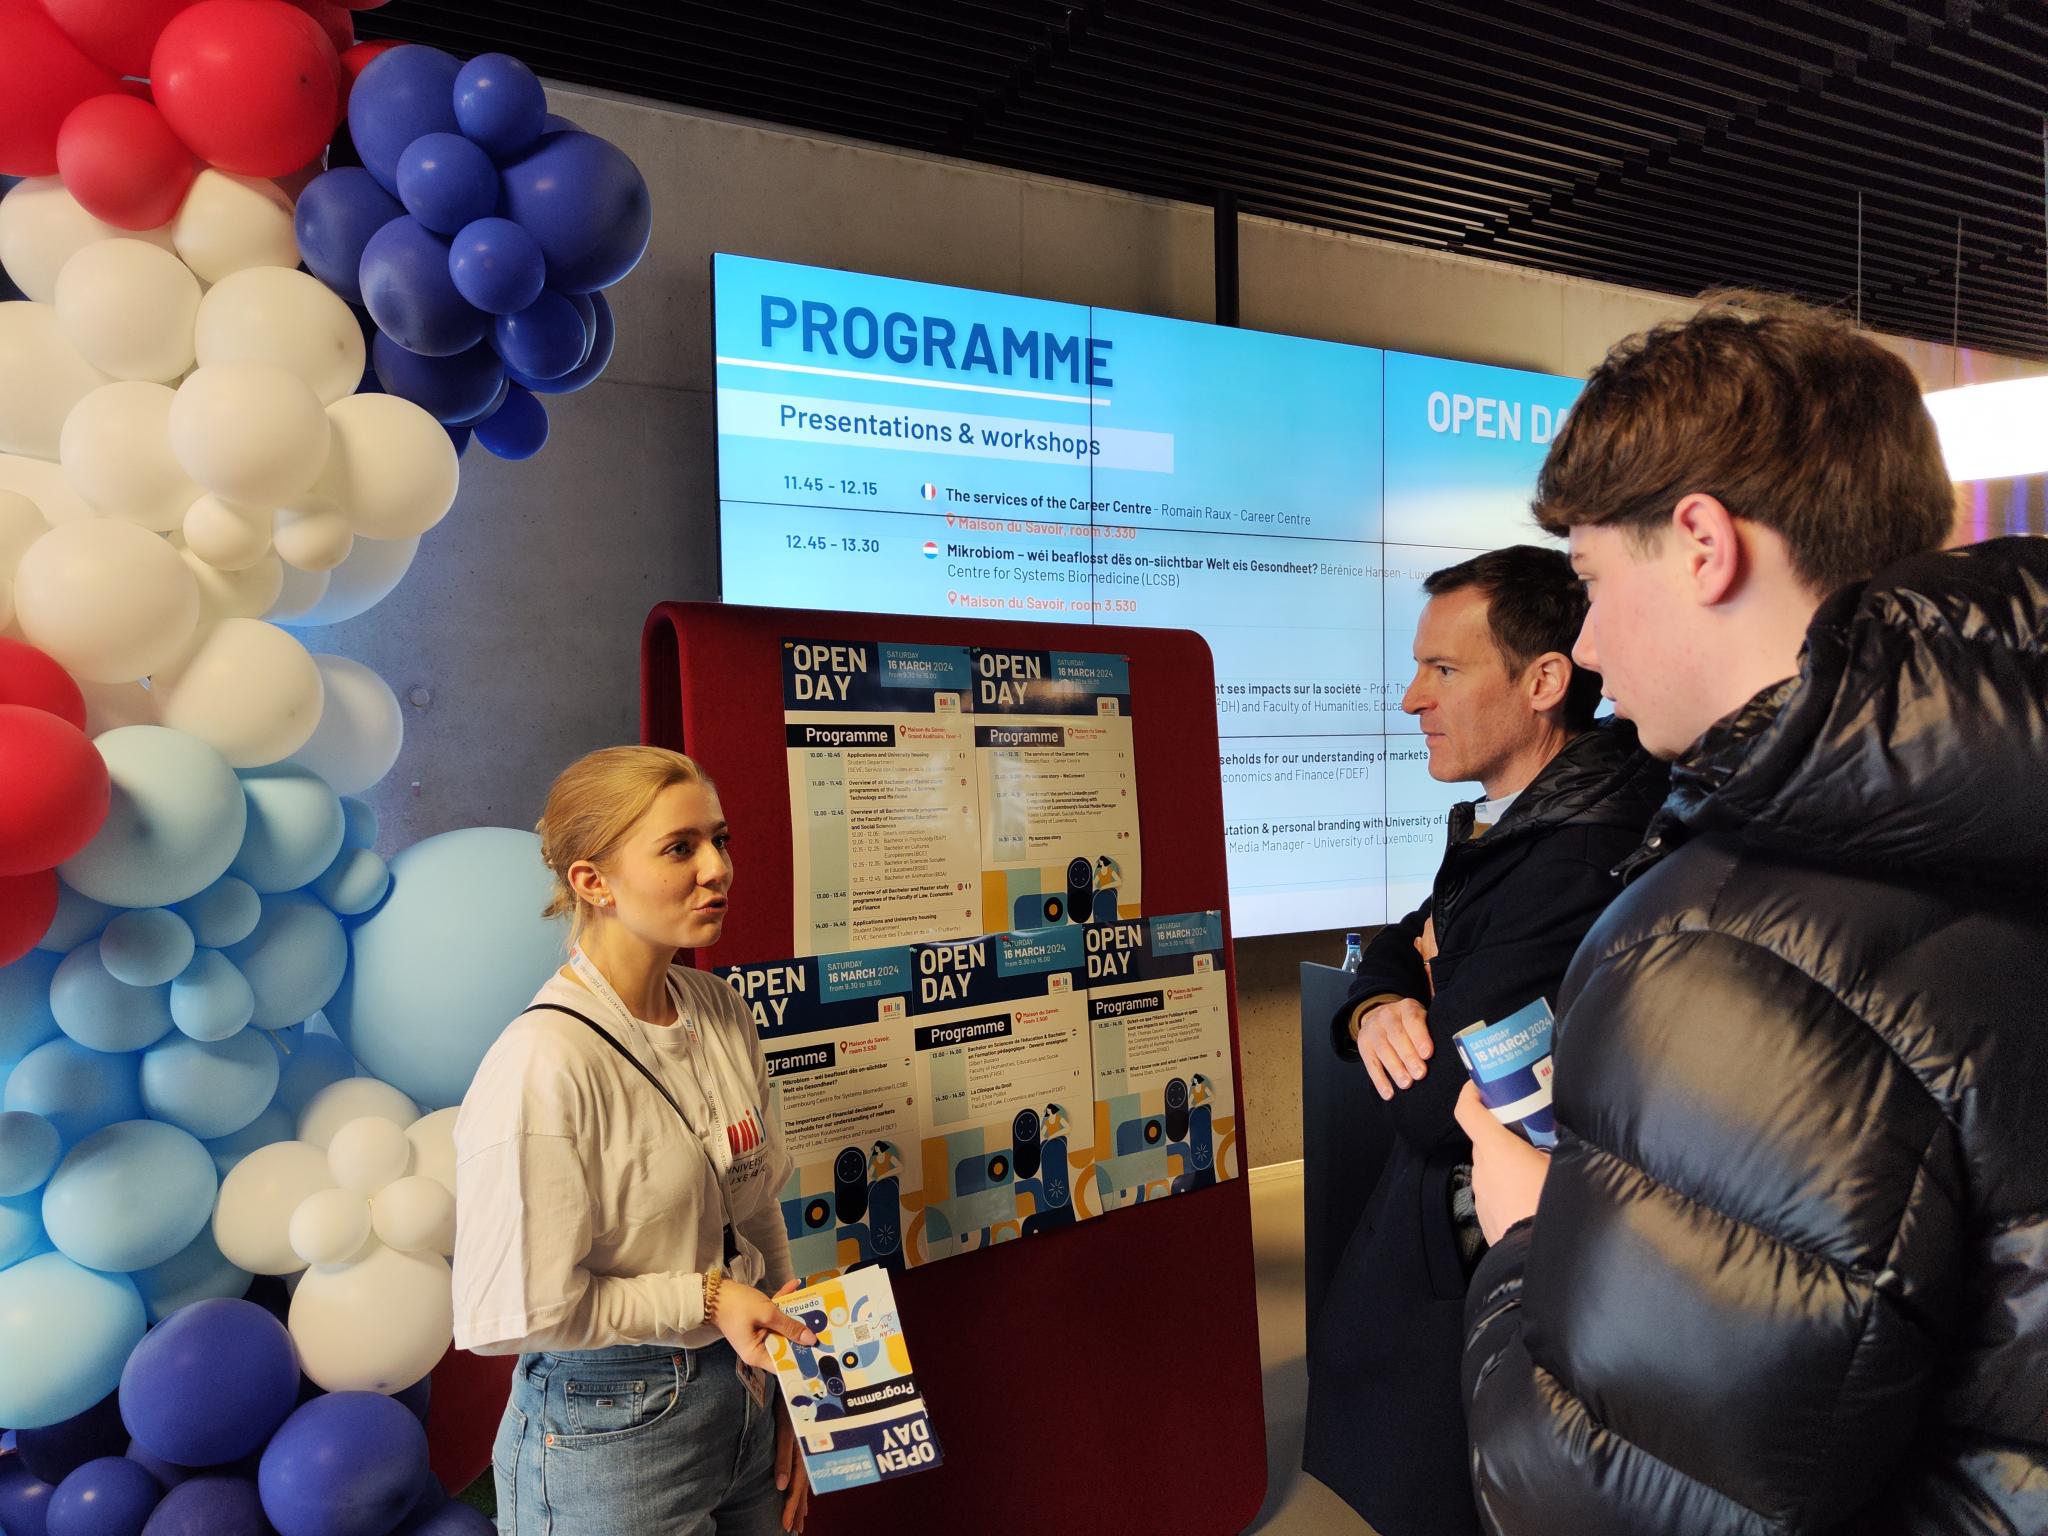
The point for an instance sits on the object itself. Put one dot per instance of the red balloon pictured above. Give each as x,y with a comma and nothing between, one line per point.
27,904
334,20
464,1404
117,34
42,77
252,86
53,789
30,678
119,158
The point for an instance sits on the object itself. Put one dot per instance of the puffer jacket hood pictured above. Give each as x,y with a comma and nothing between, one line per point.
1920,709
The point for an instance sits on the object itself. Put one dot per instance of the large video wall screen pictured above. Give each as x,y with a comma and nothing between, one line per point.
891,446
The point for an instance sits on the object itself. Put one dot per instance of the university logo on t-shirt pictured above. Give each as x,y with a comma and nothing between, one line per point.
745,1134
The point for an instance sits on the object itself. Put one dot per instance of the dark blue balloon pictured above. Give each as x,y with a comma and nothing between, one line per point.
457,388
347,1462
585,371
499,103
112,1496
337,214
24,1499
543,341
55,1451
209,1383
518,429
497,266
399,96
410,294
210,1506
446,182
587,205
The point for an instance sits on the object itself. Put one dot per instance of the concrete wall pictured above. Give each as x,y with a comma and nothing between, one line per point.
513,642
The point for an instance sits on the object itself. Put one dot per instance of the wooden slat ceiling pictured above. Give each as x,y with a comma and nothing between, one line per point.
1675,146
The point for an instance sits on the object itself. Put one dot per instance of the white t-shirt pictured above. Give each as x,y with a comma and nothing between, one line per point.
586,1214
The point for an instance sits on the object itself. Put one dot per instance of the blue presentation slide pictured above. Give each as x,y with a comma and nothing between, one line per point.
891,446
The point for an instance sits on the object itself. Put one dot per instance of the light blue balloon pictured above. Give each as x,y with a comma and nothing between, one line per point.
294,960
29,1149
102,1013
130,1196
276,1123
65,1333
78,918
146,947
355,882
25,1018
456,950
294,831
224,913
314,1062
198,1272
209,1088
21,1227
77,1090
361,819
174,820
211,1000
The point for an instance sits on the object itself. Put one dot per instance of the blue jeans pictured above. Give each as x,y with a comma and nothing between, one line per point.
635,1441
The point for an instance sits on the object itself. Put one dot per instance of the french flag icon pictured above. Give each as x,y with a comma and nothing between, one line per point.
928,491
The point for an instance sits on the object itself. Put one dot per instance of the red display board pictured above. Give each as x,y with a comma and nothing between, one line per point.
1104,1378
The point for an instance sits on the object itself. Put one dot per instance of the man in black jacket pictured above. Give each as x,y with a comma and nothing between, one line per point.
1525,873
1787,1270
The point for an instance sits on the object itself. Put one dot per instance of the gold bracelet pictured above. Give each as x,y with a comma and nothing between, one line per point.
713,1278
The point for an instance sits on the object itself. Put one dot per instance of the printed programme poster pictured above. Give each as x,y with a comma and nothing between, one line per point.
853,1400
1000,1035
835,1034
882,794
1159,1031
1058,789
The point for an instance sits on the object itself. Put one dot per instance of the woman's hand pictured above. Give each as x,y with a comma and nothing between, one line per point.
1507,1173
746,1318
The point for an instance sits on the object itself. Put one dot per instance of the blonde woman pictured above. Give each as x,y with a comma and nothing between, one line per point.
618,1174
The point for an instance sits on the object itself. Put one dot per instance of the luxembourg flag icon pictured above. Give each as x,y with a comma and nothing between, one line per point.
931,549
928,491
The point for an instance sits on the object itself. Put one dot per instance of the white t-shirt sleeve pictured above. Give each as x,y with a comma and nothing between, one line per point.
523,1216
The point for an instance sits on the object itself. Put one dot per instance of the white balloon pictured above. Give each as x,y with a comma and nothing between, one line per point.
108,706
433,1146
42,376
109,601
276,315
377,1325
373,568
414,1213
244,594
330,1226
116,450
43,483
42,226
302,590
21,524
367,1153
361,727
313,535
245,688
392,469
250,432
351,1099
252,1220
228,222
129,306
225,534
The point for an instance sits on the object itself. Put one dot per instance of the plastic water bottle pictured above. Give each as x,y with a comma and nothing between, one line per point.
1354,956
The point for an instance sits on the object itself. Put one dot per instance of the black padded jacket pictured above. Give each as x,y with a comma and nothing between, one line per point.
1789,1273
